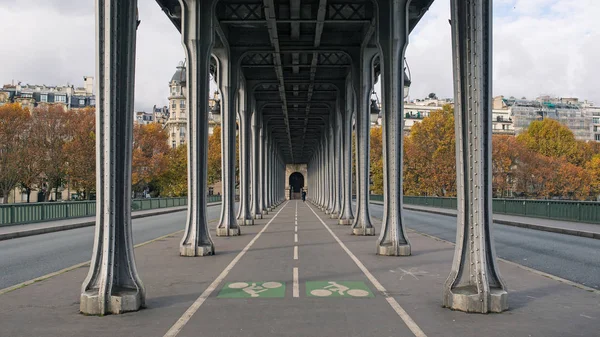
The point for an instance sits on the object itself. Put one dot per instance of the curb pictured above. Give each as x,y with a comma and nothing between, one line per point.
566,231
38,231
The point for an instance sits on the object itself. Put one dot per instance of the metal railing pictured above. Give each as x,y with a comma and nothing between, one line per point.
579,211
24,213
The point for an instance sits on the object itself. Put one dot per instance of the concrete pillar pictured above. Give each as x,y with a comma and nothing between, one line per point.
362,223
112,285
256,172
393,39
346,214
244,217
228,78
197,37
474,283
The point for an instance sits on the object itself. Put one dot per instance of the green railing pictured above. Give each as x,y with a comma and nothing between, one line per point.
580,211
15,214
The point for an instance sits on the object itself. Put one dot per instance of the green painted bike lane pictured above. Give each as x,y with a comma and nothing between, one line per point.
333,297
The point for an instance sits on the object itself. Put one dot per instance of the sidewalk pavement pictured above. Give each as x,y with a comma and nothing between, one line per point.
18,231
202,290
548,225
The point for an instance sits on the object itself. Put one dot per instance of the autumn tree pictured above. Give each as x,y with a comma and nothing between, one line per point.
49,134
173,182
429,156
214,156
376,160
593,169
81,151
150,150
553,139
14,123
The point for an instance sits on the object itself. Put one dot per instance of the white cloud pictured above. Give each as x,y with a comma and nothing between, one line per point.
540,47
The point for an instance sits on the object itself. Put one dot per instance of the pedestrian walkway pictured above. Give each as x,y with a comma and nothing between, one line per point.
556,226
297,273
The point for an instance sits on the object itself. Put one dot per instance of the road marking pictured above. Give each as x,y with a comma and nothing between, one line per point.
535,271
410,323
73,267
253,290
182,321
296,237
338,289
296,229
295,252
296,288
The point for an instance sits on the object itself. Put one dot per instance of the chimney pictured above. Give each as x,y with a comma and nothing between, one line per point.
89,85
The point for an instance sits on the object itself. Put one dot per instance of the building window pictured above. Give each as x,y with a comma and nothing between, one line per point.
81,102
60,99
181,142
174,144
44,98
182,104
597,137
173,105
596,120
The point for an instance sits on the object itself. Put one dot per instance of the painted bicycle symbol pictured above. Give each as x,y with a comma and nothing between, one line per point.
342,290
253,289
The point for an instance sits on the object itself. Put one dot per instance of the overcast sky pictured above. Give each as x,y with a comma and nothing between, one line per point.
540,47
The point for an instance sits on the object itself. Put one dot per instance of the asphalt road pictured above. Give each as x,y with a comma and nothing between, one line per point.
29,257
570,257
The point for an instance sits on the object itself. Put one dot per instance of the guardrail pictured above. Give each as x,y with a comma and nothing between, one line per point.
23,213
579,211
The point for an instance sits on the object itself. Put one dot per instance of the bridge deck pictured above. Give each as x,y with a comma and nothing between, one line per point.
227,307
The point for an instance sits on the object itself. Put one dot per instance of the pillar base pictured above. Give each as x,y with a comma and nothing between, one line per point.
345,222
393,250
364,231
269,209
121,301
258,216
228,232
468,300
265,212
205,250
334,215
245,222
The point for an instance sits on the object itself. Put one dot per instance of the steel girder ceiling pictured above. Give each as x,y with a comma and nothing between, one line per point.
295,49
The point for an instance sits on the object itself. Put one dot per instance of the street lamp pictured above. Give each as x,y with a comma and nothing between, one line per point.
407,76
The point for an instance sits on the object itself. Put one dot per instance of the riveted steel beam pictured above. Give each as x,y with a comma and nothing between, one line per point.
112,285
392,38
474,283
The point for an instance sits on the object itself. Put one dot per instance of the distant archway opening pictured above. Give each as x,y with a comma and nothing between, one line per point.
296,182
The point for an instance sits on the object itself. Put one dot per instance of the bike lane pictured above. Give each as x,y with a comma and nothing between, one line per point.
258,297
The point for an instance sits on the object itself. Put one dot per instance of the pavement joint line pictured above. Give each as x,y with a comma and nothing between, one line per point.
295,252
187,315
529,269
79,265
296,287
410,323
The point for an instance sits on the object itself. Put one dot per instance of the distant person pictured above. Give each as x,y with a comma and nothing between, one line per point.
303,196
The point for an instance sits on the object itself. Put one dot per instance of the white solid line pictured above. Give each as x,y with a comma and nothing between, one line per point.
176,328
295,237
296,292
392,301
295,252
